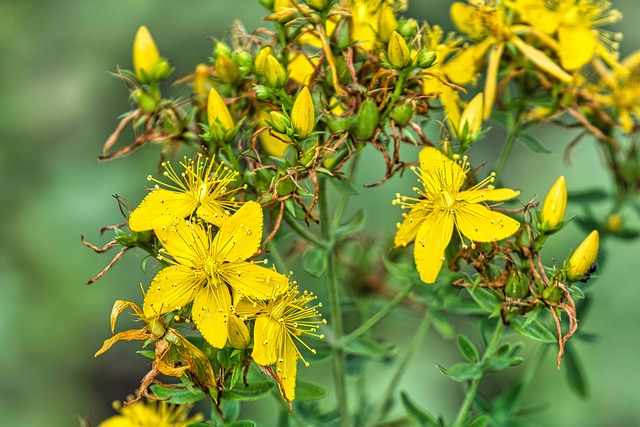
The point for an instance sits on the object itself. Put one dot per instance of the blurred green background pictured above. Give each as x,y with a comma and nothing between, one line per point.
57,106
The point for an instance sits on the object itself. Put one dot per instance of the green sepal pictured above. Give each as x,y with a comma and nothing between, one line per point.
533,329
178,396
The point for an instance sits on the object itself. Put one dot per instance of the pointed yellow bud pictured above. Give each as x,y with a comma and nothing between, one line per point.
260,63
221,123
471,119
583,258
274,72
227,70
145,54
201,84
303,113
398,52
554,205
387,23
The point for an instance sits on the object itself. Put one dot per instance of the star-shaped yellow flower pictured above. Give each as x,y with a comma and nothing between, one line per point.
443,205
280,322
203,187
205,269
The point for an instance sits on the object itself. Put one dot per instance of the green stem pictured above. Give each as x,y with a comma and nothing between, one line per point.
408,357
506,150
339,361
379,315
302,231
473,388
274,253
344,197
397,91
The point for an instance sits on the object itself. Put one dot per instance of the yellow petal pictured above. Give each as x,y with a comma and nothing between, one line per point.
287,367
584,256
491,81
467,19
480,224
131,335
239,238
438,171
463,68
409,228
159,202
449,99
239,336
184,241
488,195
253,280
432,239
472,114
171,289
212,212
217,111
211,312
268,334
302,68
577,46
271,145
541,60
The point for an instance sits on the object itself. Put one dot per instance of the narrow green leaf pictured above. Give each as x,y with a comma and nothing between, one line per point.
254,391
314,261
575,374
533,329
367,347
442,325
179,396
467,349
586,196
309,391
345,187
486,299
420,415
461,372
356,223
481,421
149,354
533,144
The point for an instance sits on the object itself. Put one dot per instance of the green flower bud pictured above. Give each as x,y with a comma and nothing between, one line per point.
244,60
286,186
221,48
407,28
146,102
426,58
403,113
517,286
279,122
366,121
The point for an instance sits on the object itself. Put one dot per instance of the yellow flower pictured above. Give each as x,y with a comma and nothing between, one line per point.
301,68
620,89
554,205
260,62
443,206
489,26
202,188
365,20
151,414
303,113
204,269
145,54
575,23
279,324
201,82
584,256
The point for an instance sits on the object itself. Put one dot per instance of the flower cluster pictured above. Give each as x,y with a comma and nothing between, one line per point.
276,115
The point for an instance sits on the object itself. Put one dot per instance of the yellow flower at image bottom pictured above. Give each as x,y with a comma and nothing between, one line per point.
151,414
443,206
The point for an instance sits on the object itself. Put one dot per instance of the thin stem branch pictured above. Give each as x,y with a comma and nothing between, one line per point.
473,388
369,323
302,231
339,361
402,368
